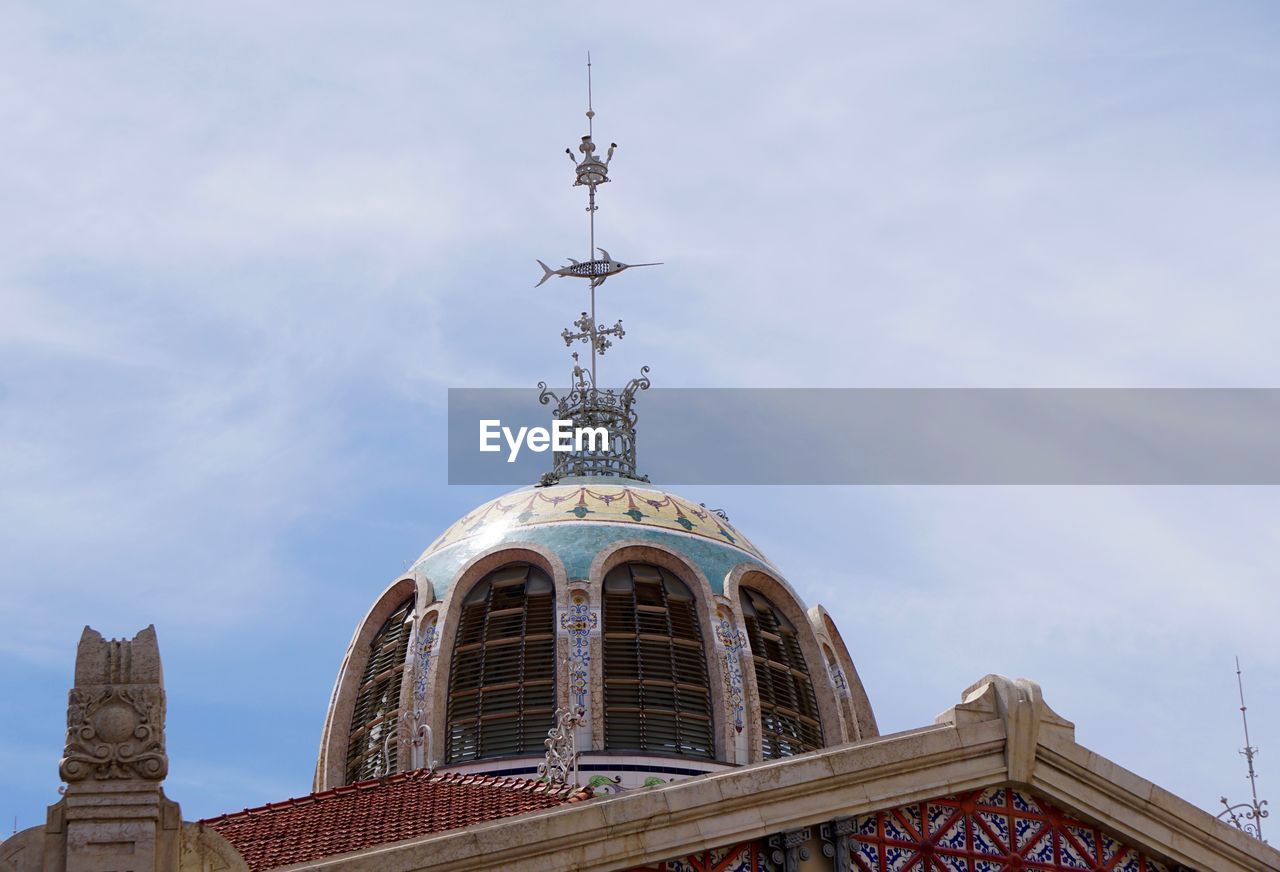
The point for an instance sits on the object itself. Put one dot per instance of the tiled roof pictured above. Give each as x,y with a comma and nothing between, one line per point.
368,813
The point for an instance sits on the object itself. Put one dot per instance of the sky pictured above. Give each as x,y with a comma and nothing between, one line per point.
247,249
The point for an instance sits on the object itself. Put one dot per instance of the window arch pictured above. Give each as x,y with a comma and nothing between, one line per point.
373,720
656,693
502,675
789,722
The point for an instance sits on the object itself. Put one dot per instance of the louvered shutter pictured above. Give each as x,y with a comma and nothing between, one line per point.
377,707
502,678
789,721
656,695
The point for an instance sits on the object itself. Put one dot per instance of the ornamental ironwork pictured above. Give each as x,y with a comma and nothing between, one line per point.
584,403
561,763
590,407
1246,816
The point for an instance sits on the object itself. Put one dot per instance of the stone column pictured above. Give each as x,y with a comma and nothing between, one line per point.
114,816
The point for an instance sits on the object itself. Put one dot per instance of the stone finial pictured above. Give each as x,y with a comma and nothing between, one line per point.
1020,704
115,712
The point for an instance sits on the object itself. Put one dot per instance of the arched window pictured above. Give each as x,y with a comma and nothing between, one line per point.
502,691
788,708
656,697
378,700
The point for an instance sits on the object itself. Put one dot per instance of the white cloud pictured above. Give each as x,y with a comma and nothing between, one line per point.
247,248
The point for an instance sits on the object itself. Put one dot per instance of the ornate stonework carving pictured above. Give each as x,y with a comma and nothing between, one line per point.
115,733
115,713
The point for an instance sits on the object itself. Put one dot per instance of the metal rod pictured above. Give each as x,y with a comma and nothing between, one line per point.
1246,816
1249,750
591,212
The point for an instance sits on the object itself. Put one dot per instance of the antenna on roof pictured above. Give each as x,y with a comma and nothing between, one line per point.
1246,816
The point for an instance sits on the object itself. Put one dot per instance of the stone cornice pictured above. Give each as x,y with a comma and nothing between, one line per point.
1144,813
1001,727
738,804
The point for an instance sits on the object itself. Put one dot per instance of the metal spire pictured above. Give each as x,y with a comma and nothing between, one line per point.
591,172
1246,816
586,404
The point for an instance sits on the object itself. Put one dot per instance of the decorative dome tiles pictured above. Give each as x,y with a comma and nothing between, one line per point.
588,502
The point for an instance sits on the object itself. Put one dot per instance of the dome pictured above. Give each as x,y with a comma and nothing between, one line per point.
646,628
578,516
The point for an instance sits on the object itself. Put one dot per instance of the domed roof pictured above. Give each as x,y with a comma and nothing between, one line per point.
577,517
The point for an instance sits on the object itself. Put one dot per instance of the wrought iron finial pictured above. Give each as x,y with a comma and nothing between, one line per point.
1246,816
561,763
719,513
586,404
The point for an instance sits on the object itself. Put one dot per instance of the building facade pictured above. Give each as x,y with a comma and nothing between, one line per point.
594,673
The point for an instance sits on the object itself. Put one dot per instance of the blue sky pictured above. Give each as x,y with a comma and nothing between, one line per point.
248,248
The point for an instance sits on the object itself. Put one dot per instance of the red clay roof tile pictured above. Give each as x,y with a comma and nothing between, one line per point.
403,806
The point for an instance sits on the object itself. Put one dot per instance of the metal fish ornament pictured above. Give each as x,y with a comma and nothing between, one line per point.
596,270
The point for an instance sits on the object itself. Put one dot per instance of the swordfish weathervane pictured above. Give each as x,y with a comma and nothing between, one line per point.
585,403
591,172
598,270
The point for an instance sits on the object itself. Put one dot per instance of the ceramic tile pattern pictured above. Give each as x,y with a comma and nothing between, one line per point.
577,521
991,830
